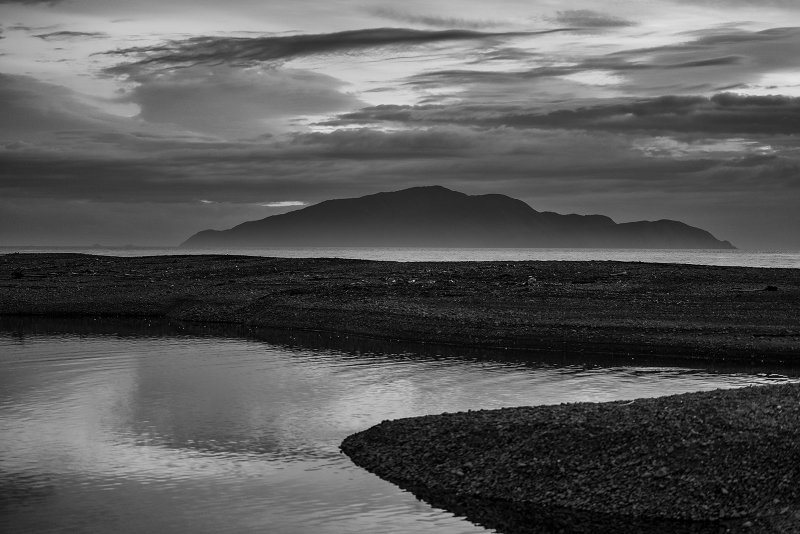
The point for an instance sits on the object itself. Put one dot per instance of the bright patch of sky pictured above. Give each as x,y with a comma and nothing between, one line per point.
668,147
284,204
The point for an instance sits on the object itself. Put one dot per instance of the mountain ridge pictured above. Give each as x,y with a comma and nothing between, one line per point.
434,216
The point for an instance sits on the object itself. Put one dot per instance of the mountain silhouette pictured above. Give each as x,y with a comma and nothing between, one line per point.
435,216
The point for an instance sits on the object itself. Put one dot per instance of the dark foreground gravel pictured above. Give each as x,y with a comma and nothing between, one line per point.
720,461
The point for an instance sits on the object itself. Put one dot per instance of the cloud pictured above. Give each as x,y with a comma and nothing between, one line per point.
712,61
236,102
31,2
789,4
69,35
29,106
586,18
285,204
253,50
431,20
368,144
318,165
553,169
724,113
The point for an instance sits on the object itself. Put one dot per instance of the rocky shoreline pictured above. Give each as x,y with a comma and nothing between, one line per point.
613,308
719,461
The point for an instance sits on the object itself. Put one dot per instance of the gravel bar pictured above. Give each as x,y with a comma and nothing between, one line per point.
617,308
719,461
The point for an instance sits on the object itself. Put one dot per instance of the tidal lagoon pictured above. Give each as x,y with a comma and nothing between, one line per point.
140,426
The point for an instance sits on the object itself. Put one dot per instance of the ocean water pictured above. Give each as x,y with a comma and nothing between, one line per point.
730,258
143,431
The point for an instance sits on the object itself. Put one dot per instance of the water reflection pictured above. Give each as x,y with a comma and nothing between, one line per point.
511,518
141,426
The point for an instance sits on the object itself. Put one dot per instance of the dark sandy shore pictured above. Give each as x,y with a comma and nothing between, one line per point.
707,462
720,313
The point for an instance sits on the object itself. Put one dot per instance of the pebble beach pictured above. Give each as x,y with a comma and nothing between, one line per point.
721,461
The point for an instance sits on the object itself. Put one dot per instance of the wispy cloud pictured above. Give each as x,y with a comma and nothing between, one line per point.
285,204
69,35
251,50
586,18
724,113
714,60
30,1
790,4
432,20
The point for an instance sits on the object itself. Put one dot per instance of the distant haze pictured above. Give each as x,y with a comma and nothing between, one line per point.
142,121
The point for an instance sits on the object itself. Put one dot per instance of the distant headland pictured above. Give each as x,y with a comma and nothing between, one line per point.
435,216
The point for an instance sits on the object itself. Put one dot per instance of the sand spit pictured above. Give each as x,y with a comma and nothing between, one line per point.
719,461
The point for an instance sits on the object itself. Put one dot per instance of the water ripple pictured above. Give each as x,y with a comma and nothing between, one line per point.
197,434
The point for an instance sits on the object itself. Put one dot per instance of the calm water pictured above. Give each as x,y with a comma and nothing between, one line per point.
740,258
193,434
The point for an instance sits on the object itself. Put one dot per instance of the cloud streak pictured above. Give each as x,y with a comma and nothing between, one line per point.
31,2
285,204
69,35
432,20
724,113
712,61
252,50
586,18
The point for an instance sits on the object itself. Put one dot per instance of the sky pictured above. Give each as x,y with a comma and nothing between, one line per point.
142,121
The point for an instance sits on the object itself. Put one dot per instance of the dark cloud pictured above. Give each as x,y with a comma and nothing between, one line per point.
28,106
429,20
30,1
561,170
251,50
727,57
791,4
236,102
466,77
724,113
68,35
713,61
150,169
370,144
585,18
710,62
506,53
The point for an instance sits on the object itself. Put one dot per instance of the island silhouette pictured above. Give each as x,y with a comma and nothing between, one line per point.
434,216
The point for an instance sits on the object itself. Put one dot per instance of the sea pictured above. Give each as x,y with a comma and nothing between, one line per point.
788,259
